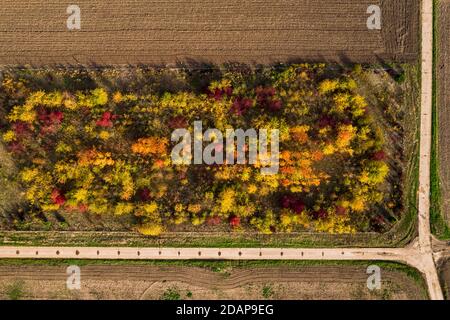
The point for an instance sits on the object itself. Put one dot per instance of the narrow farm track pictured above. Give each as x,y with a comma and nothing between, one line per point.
419,254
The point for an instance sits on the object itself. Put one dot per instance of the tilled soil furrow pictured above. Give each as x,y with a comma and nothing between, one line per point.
151,31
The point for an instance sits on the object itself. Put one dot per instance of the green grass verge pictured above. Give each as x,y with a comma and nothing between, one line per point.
408,224
15,291
439,226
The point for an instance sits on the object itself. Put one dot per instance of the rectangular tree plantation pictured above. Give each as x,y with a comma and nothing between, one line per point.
96,145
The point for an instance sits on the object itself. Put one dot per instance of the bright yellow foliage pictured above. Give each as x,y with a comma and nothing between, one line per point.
150,146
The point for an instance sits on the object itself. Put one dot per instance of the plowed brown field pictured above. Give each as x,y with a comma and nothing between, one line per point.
443,72
151,282
162,31
444,271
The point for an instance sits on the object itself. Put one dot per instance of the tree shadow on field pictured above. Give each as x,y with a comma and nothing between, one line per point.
200,74
393,69
345,60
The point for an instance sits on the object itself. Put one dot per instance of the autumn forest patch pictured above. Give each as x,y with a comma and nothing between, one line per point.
98,143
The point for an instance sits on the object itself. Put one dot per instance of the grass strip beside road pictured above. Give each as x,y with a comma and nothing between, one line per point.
439,226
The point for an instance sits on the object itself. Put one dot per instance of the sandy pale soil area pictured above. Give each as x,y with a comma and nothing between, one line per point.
164,282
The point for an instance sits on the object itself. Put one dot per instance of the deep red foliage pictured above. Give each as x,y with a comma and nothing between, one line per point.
341,211
326,121
298,207
50,121
241,105
346,121
178,122
275,105
235,221
379,155
144,194
213,221
265,92
286,201
320,214
228,91
218,94
105,121
15,147
58,197
291,202
20,128
265,99
48,118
